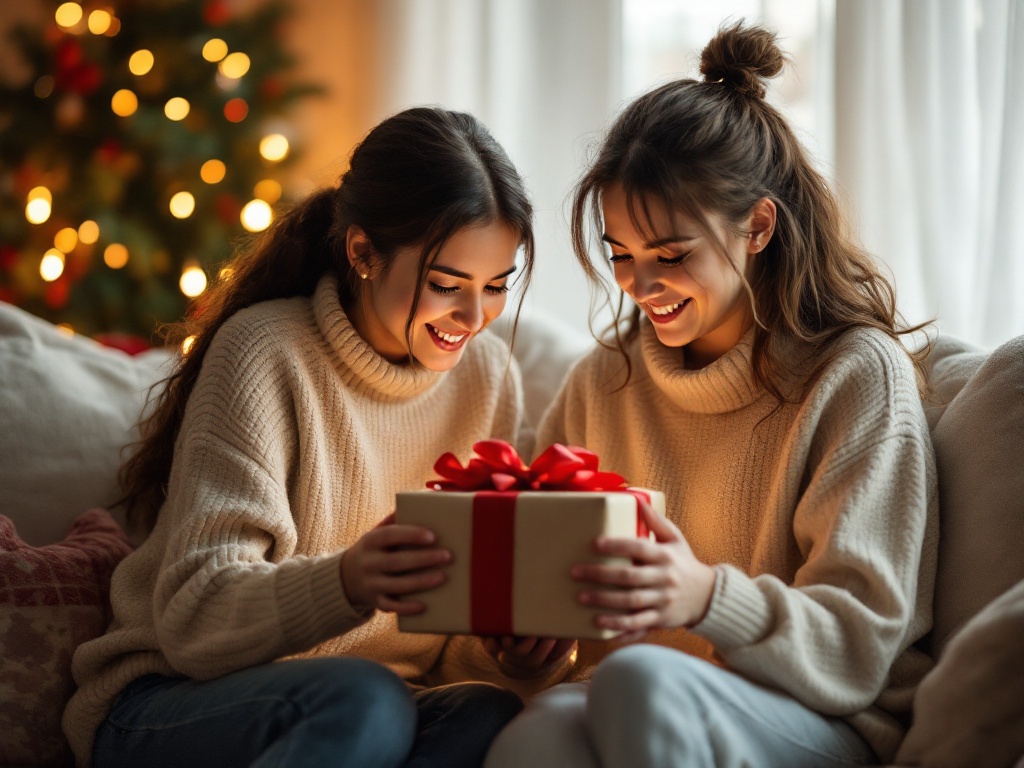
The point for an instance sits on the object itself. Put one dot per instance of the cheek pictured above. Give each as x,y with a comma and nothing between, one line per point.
623,277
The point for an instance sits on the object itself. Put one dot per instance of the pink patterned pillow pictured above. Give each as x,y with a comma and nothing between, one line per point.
52,599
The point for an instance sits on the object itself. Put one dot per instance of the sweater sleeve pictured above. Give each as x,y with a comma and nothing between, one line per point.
866,527
231,591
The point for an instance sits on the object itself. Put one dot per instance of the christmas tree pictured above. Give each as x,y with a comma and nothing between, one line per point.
144,142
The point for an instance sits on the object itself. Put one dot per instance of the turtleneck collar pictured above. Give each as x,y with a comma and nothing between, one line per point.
723,386
361,368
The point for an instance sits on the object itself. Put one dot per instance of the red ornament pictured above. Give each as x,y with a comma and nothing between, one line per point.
125,342
8,258
109,151
57,293
236,110
215,13
68,56
228,209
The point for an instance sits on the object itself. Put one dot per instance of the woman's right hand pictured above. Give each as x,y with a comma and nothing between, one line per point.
389,561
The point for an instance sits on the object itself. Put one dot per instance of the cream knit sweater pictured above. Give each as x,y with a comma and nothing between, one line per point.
821,517
294,442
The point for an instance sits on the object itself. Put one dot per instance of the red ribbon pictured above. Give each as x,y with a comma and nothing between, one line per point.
498,467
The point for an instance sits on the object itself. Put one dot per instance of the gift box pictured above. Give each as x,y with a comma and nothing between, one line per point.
514,533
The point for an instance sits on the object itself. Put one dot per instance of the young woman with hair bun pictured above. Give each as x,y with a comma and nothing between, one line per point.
757,377
255,626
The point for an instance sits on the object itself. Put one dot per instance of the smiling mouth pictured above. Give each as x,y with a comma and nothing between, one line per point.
449,342
666,312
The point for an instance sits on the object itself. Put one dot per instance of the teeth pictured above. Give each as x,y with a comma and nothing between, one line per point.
667,309
448,337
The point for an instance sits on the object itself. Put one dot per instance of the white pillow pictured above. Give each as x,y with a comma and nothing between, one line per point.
68,405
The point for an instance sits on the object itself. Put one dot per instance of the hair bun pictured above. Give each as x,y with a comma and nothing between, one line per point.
742,57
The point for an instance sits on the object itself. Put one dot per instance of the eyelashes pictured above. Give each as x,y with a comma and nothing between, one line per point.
621,258
448,290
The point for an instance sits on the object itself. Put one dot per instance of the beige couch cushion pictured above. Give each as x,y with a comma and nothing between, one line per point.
67,407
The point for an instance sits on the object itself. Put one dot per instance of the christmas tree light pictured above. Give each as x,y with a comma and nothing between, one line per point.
144,141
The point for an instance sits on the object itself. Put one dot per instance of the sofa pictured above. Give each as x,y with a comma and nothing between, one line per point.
68,406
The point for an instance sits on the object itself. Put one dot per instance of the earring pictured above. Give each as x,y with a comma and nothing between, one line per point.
364,275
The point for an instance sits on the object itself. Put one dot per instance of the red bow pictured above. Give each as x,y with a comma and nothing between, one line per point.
497,466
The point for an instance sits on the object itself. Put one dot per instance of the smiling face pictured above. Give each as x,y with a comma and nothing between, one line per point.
466,288
680,278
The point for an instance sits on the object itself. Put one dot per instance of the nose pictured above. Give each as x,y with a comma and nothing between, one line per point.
646,283
470,313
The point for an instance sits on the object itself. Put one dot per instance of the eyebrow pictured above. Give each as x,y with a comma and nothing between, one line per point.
653,244
466,276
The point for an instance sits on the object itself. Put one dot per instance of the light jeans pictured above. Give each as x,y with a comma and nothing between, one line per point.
653,707
305,712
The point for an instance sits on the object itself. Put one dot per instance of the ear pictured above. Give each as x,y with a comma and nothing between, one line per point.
359,251
761,225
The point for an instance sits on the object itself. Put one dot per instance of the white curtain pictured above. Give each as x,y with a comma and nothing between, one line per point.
930,151
543,75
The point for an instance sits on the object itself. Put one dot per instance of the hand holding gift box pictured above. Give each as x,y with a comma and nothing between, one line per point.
515,532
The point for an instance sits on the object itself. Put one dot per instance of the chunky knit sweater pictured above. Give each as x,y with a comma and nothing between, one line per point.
294,442
820,517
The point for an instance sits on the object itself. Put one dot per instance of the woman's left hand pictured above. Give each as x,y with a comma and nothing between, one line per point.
666,585
526,657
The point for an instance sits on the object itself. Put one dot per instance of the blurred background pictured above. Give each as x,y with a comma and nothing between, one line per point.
140,140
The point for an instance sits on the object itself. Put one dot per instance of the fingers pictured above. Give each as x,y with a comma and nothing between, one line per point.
662,528
629,622
400,607
625,599
407,560
393,586
634,549
398,535
619,575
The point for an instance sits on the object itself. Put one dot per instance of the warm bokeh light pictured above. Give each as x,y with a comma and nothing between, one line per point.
182,205
99,22
187,343
268,189
44,86
40,193
215,49
115,255
234,65
256,215
124,103
213,171
66,240
37,211
141,62
236,110
274,147
176,108
65,329
192,282
226,273
115,27
68,14
52,265
88,232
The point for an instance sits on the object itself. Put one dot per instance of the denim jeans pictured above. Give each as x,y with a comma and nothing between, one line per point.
304,712
651,707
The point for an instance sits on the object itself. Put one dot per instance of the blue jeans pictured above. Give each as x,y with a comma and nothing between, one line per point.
650,707
303,712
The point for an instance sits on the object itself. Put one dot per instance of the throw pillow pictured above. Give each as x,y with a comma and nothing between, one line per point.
979,448
969,710
67,407
52,599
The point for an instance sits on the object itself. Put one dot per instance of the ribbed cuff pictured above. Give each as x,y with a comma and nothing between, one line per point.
313,603
738,614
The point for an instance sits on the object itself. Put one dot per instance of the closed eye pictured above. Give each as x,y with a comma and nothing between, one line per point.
672,261
448,290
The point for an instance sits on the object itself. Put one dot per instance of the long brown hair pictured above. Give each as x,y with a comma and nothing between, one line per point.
716,146
415,180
